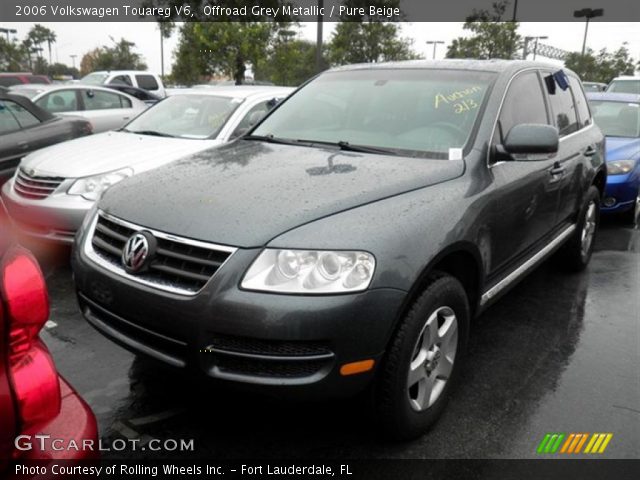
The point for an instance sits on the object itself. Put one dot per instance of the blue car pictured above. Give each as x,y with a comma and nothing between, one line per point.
618,116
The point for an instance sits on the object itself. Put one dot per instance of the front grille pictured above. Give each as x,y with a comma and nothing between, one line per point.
35,187
277,348
178,263
271,368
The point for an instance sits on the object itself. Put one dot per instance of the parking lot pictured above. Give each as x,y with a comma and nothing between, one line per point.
558,354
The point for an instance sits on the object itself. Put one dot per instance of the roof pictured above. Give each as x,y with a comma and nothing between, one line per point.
614,97
233,92
626,78
493,65
109,72
41,88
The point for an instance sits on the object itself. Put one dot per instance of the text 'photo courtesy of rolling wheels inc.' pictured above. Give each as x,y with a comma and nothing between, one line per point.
319,239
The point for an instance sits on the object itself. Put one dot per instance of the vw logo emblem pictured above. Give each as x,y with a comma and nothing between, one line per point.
138,251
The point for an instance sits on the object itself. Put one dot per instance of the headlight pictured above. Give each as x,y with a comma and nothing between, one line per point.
620,167
91,187
310,272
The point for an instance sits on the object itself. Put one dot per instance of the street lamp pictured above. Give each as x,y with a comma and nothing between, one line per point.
73,60
535,45
587,13
8,31
435,44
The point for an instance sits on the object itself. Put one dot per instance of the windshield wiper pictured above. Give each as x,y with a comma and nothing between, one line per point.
271,139
149,132
348,147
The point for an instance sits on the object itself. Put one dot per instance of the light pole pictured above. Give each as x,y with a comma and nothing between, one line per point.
435,44
535,45
8,31
587,13
319,21
73,60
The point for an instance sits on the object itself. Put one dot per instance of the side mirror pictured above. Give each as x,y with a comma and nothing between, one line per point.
531,139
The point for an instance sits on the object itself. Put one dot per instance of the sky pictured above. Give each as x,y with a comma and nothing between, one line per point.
79,38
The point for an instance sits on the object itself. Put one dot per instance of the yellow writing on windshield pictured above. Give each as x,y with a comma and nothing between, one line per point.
441,98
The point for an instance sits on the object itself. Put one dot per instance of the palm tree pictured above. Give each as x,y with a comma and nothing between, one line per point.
50,38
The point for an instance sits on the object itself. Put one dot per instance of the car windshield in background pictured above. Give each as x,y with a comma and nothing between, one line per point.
186,116
417,112
625,86
617,119
94,79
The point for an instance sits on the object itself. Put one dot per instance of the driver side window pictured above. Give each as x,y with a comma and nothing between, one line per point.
524,103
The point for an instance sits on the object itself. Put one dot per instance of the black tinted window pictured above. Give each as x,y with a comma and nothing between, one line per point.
148,82
120,80
581,102
9,81
564,110
524,103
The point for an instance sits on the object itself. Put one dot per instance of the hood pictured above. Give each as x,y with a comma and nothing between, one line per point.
622,148
246,193
105,152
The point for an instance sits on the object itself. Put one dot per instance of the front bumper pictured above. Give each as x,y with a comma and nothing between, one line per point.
280,344
621,192
55,218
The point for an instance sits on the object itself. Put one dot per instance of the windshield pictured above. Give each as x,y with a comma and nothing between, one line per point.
414,112
617,119
186,116
94,78
625,86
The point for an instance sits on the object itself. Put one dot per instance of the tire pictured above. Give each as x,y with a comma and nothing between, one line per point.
576,252
401,407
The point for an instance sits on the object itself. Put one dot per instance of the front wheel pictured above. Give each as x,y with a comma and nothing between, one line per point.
576,253
423,360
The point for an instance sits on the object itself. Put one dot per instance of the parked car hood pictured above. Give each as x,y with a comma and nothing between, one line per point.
622,148
246,193
108,151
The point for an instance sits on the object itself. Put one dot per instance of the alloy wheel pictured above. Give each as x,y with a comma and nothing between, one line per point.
588,228
432,360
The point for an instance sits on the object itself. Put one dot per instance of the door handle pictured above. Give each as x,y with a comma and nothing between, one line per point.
590,151
557,169
23,145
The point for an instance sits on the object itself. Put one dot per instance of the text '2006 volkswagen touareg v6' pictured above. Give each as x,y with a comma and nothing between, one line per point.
349,239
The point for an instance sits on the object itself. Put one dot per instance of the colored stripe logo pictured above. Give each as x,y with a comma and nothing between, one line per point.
574,443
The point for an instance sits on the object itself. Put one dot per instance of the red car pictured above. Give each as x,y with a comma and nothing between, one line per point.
34,399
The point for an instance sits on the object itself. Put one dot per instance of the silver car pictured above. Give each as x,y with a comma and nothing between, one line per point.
54,188
105,108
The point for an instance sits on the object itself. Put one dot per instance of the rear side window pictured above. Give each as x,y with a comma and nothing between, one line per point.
25,117
8,122
121,80
148,82
523,104
581,102
99,100
564,111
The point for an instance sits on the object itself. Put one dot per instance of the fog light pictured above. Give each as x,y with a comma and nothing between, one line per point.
609,202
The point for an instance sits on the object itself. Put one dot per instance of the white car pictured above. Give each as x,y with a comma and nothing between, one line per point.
624,84
145,80
54,188
105,108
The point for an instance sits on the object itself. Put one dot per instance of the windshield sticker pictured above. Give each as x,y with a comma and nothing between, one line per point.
634,105
455,154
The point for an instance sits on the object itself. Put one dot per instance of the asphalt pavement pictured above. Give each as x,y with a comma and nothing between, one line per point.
559,353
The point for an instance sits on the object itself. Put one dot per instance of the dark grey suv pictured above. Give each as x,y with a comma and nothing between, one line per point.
349,240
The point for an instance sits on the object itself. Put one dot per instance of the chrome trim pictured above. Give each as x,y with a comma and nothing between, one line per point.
526,266
99,260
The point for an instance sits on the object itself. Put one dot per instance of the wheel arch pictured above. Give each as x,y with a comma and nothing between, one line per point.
461,260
